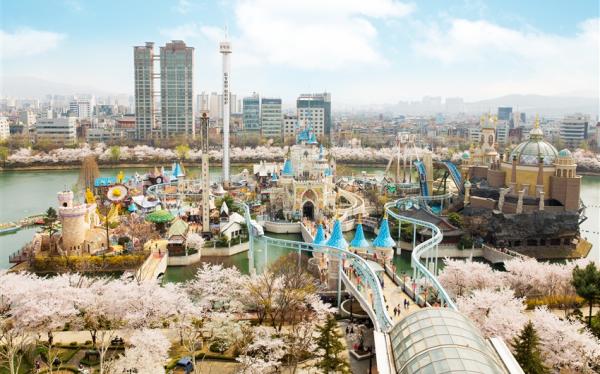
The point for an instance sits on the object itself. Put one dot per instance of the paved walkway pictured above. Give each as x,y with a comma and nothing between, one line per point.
394,296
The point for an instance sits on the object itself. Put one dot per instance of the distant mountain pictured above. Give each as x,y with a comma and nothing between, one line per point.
547,105
30,87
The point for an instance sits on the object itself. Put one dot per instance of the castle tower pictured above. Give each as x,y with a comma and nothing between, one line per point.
565,184
488,140
360,243
75,221
384,243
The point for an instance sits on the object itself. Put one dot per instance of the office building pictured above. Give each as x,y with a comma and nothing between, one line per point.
62,131
474,134
504,113
80,108
502,129
271,118
251,113
574,129
215,110
176,89
315,111
290,126
4,128
145,106
27,118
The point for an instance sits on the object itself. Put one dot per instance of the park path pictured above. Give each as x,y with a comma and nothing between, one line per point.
394,296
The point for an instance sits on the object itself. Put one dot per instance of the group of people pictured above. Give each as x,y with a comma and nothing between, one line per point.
398,308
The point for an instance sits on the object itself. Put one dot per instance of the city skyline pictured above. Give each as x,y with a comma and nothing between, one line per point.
394,51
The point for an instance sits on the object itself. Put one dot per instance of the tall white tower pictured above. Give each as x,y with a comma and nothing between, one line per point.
225,49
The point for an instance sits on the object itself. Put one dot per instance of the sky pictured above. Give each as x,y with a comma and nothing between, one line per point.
362,51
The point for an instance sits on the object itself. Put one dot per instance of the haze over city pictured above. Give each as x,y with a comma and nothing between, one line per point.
367,53
299,186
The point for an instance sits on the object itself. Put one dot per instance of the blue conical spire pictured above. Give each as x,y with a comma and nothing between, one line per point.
337,238
274,177
359,240
320,236
287,168
384,239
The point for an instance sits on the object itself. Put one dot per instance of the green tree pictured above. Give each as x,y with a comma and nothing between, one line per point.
50,221
330,345
115,153
4,153
455,219
527,351
587,285
182,151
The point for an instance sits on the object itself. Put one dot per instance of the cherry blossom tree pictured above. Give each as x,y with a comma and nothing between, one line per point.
218,288
460,277
147,353
496,313
264,354
566,345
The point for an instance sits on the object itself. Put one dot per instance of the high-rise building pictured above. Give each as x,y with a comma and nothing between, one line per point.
145,109
4,128
502,129
290,126
176,89
80,108
27,118
504,113
315,111
251,112
574,129
271,118
57,131
215,111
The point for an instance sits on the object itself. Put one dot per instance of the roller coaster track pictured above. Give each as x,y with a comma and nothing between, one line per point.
375,308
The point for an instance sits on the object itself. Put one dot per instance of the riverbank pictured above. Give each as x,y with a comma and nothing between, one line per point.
145,164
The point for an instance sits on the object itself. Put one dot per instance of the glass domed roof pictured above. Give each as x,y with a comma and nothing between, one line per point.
529,152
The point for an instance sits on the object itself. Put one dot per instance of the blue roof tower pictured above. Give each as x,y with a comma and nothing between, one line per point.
320,236
288,170
359,240
384,239
337,239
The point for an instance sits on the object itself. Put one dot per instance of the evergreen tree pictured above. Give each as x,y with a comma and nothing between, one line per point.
50,221
527,352
330,346
587,285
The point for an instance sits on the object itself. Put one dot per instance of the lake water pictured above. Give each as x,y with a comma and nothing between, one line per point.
24,193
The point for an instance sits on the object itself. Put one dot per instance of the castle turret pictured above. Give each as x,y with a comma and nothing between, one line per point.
76,221
384,243
359,243
320,236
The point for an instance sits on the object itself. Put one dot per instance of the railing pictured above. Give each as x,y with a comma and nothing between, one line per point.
456,176
422,178
381,319
422,250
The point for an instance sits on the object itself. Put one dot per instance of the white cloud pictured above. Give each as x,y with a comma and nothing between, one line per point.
311,34
183,6
540,62
27,42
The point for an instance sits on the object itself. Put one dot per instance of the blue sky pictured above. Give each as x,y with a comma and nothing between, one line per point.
364,52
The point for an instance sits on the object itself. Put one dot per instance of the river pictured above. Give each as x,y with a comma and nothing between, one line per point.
24,193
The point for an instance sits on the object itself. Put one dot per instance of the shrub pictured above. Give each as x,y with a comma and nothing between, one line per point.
218,346
554,301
